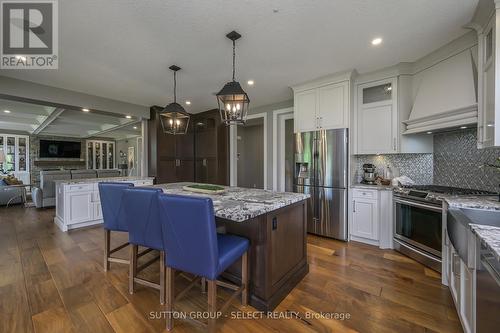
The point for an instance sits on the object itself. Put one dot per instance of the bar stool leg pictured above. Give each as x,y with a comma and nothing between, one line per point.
133,268
244,279
162,277
203,285
107,249
170,297
212,304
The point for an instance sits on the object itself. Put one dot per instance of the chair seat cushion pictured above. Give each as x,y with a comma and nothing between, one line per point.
231,248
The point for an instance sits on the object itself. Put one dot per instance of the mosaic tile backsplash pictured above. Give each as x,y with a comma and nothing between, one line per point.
416,166
457,161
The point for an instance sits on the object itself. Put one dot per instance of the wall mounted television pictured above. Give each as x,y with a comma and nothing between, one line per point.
60,149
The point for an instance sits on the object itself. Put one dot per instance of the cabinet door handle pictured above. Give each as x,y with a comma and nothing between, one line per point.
354,206
394,144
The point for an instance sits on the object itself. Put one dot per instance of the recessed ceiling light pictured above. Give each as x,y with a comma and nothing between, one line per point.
128,117
429,132
85,110
490,125
377,41
463,127
6,111
135,127
188,102
250,82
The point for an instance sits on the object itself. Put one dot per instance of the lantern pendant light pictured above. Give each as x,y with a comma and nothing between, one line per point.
174,119
232,99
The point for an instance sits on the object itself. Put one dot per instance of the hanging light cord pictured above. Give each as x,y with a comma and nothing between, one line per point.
175,87
234,57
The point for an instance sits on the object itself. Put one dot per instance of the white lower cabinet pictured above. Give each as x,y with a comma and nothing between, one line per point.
80,209
371,217
462,283
79,204
365,219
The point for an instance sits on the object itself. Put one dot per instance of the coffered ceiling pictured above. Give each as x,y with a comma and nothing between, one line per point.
122,49
52,121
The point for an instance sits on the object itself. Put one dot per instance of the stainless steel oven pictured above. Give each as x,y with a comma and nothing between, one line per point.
418,229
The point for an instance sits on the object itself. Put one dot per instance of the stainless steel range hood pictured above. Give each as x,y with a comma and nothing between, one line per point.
445,95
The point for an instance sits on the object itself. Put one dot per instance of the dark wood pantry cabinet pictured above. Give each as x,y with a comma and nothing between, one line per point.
201,155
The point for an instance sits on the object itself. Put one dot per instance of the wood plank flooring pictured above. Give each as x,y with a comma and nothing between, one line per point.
52,281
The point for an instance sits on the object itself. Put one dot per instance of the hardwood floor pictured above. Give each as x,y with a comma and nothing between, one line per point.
52,281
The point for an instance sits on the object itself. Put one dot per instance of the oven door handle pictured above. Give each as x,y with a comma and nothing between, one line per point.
419,205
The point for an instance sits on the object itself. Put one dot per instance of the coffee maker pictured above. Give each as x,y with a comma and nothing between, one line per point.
369,174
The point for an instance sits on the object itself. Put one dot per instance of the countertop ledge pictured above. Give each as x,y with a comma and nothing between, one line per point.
372,187
240,204
476,202
489,235
96,180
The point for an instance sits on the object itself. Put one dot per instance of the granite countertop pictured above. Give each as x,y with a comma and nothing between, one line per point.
373,187
488,235
96,180
473,201
240,204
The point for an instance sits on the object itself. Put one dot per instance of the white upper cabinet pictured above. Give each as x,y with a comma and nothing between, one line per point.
377,117
333,109
306,105
489,97
323,104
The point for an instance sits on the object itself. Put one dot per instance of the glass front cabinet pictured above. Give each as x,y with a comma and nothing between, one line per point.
100,154
16,152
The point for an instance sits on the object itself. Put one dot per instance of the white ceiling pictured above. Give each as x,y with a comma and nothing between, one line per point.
122,49
27,117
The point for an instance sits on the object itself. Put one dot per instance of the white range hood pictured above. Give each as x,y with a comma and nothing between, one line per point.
445,96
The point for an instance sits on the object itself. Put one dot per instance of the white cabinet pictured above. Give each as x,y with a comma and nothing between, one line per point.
305,109
370,217
323,104
377,117
488,96
461,279
100,154
365,219
16,151
80,209
79,204
333,109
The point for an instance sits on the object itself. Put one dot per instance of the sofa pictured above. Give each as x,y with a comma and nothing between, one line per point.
45,195
8,192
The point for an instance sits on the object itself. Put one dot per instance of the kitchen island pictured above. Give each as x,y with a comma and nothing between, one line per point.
78,203
275,223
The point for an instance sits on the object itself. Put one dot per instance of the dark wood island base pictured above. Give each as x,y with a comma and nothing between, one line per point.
278,253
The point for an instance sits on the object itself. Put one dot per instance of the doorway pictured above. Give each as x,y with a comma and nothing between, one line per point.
248,150
250,154
283,146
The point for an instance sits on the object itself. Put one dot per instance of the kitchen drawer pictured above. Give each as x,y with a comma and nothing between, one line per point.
364,194
79,187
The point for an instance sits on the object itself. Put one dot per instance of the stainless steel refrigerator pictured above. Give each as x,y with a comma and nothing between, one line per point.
321,165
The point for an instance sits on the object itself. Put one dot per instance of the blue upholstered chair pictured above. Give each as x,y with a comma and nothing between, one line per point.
111,204
193,246
140,208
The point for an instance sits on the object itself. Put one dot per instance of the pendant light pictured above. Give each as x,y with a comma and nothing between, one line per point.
232,99
174,119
